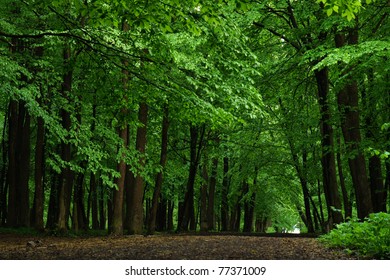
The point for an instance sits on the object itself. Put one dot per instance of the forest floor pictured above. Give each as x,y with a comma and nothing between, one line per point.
166,247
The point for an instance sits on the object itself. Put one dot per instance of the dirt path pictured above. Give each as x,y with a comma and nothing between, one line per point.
165,247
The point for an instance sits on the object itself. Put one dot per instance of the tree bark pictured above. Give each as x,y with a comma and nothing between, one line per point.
203,198
224,196
39,198
348,104
249,207
188,216
211,195
12,163
159,176
327,148
66,178
137,192
117,214
346,202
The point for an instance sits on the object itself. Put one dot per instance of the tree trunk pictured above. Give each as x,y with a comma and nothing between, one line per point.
171,207
248,209
188,216
161,215
159,176
224,196
306,194
372,132
327,148
66,178
52,212
137,192
203,199
102,210
12,163
376,183
117,214
39,198
211,195
346,202
348,104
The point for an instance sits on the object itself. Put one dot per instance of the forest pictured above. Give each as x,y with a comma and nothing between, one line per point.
140,117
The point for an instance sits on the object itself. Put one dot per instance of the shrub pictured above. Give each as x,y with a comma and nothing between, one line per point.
370,238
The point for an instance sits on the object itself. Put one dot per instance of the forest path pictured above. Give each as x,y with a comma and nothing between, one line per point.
166,247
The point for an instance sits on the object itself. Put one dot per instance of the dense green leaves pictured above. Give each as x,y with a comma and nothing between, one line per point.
370,238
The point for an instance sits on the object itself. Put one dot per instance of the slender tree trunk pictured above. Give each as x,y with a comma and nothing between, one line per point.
224,196
161,215
306,194
248,209
39,198
117,214
346,203
372,132
12,163
348,104
137,193
116,219
203,198
159,176
171,207
66,178
376,183
211,195
52,213
102,210
188,217
327,147
3,176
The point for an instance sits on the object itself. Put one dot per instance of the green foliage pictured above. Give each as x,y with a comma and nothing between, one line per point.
370,238
347,8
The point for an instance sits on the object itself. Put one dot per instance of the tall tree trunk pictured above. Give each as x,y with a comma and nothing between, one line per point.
348,104
39,198
12,163
159,176
171,207
203,198
102,210
52,212
248,209
327,148
224,196
211,195
346,202
188,217
372,132
137,193
3,175
117,210
161,215
94,202
306,194
66,178
24,166
116,223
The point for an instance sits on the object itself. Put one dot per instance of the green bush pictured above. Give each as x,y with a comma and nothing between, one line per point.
370,238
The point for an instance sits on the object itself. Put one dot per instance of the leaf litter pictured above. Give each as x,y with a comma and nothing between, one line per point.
166,247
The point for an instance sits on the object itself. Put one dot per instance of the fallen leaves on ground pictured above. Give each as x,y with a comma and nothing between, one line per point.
166,247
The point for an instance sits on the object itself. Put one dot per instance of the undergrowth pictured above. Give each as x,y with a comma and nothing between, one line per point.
369,239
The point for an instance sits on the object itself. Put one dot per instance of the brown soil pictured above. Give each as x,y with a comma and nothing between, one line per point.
166,247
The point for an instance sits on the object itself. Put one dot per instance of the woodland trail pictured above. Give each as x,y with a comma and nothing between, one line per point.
166,247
